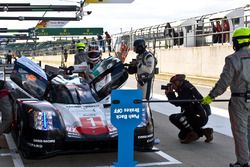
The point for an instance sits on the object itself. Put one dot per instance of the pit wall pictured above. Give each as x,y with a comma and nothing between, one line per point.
206,62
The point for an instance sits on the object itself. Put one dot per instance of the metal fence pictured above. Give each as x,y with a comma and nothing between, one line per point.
191,32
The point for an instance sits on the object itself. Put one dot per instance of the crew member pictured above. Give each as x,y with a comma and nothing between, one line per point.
236,75
143,67
80,56
193,115
108,40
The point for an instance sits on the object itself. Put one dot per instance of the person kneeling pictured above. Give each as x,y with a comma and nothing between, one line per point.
193,114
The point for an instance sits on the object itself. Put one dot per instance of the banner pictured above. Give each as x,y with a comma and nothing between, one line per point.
51,24
56,24
68,31
42,24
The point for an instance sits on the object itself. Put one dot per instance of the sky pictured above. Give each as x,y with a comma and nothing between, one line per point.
115,18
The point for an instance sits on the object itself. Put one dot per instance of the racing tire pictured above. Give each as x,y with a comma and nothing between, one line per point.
21,145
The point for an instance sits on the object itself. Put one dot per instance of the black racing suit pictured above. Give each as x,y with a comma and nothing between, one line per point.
193,115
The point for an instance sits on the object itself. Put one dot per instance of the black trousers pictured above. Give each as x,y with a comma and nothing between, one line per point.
195,122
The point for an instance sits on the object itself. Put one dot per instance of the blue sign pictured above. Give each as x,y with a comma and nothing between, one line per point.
126,115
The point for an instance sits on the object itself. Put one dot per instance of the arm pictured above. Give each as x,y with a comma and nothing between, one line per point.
224,80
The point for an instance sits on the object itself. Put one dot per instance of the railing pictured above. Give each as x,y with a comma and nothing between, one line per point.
199,32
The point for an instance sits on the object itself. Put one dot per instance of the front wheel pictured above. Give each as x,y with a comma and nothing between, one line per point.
21,144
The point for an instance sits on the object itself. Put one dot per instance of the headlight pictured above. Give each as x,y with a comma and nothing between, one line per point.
43,120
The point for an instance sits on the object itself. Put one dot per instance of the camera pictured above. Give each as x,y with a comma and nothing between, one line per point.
89,12
133,62
167,87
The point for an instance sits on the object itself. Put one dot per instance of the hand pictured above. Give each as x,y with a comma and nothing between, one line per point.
169,89
207,100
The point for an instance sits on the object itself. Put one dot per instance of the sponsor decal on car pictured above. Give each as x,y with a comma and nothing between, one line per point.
35,145
150,140
146,136
43,141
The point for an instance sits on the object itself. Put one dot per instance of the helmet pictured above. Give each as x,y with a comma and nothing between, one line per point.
241,38
80,46
139,46
94,54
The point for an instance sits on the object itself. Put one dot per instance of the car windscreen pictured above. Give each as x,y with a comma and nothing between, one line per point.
32,84
71,94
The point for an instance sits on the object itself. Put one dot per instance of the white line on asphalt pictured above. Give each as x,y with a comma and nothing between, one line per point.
15,156
166,156
170,160
5,154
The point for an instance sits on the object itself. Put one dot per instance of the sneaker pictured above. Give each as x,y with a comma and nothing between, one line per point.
191,136
208,133
238,165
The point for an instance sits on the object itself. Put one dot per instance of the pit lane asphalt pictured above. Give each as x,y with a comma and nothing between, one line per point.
172,154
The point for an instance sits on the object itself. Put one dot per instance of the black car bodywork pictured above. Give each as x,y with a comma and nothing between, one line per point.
66,113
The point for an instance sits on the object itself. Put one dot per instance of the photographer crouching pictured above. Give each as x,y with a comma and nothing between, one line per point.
144,67
193,115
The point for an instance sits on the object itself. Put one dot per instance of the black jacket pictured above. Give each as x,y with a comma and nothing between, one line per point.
188,91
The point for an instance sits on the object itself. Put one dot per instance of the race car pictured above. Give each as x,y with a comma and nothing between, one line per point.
62,113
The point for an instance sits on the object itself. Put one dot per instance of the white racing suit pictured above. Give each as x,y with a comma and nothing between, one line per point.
145,72
236,74
5,112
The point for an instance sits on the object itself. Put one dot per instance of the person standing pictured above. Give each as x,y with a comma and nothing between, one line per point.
215,35
193,115
236,75
108,40
124,49
226,29
101,42
219,31
9,57
143,67
85,41
168,34
80,56
65,53
93,41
